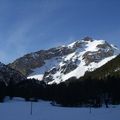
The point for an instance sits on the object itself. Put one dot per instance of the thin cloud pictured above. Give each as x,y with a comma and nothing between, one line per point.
17,36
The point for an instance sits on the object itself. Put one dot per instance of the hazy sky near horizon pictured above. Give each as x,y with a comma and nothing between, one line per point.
30,25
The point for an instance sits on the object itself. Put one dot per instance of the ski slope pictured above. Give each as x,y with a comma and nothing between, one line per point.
18,109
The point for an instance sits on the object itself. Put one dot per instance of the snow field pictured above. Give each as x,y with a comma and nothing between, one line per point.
18,109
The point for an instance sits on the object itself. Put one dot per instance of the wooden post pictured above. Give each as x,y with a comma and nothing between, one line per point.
31,108
90,110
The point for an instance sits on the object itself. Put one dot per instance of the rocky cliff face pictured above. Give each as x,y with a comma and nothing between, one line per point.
104,51
30,61
60,63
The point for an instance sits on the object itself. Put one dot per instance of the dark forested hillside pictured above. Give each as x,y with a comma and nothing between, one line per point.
112,68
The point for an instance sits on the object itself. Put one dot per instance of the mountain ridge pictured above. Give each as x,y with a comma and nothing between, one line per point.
60,63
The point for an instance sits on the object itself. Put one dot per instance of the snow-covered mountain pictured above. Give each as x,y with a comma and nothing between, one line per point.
8,75
61,63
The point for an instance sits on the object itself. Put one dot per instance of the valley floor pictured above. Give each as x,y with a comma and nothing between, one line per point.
18,109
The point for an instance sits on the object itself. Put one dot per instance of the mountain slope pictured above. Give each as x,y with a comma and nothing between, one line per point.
111,68
61,63
8,75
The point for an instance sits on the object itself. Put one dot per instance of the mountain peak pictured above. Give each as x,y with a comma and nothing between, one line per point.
61,63
87,38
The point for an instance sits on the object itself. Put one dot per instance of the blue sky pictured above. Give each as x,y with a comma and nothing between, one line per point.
30,25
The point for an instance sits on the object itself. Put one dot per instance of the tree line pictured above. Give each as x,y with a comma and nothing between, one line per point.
73,92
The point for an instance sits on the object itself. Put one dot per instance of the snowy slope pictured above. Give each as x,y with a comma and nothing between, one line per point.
87,55
18,109
39,72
